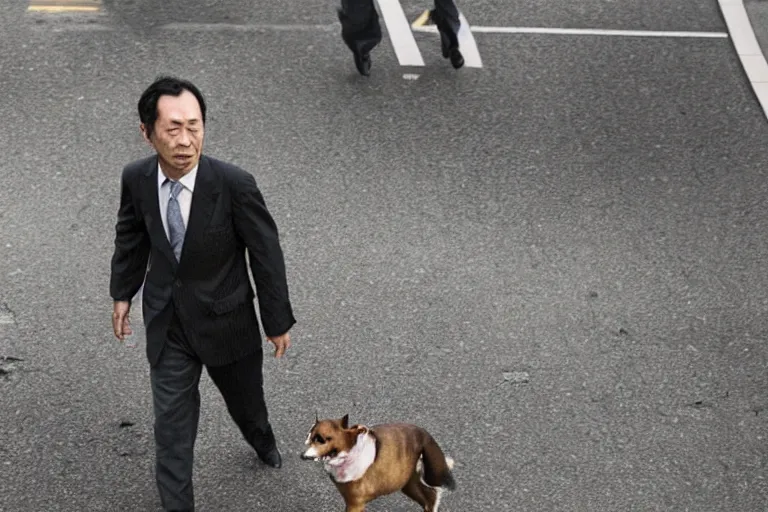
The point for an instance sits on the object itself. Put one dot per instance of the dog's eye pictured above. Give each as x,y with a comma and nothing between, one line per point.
318,439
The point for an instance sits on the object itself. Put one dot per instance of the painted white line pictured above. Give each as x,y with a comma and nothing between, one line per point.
761,91
400,33
583,32
746,46
75,27
467,44
756,68
216,27
742,35
431,28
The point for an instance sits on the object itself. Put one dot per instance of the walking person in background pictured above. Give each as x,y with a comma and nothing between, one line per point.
361,30
184,226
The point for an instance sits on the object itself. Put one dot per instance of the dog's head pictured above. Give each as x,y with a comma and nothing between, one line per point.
330,438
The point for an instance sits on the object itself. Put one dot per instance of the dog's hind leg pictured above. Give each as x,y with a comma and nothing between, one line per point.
421,493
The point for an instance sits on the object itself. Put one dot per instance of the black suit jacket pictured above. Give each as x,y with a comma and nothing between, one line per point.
209,288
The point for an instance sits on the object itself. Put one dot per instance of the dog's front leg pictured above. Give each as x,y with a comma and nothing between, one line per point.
355,506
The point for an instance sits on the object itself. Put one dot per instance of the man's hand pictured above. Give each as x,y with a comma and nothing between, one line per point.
282,343
120,323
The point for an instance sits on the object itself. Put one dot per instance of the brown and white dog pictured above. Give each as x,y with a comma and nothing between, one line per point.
368,462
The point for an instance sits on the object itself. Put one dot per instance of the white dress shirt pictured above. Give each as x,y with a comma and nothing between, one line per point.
184,197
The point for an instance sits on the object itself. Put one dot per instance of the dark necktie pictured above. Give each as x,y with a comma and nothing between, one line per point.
175,220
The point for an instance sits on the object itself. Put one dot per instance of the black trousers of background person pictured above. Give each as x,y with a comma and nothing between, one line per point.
361,29
176,398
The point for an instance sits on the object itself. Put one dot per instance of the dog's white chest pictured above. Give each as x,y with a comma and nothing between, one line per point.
347,467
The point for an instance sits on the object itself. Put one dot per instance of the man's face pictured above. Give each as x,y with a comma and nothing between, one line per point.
178,133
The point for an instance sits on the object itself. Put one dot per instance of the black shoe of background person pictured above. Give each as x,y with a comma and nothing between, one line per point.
271,457
361,40
363,63
449,43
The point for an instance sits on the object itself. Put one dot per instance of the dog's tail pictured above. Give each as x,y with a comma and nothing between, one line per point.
436,467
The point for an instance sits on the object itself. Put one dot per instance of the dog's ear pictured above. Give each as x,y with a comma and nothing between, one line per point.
360,429
345,421
317,417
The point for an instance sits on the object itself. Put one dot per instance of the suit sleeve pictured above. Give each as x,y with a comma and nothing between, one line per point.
129,260
257,228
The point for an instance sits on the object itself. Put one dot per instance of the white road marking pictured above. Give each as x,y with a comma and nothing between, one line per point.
746,46
400,33
756,67
467,44
256,27
408,53
583,32
253,27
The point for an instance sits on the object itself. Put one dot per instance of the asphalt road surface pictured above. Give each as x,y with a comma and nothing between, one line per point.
555,263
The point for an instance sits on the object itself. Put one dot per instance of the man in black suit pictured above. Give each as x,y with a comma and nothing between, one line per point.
361,31
184,226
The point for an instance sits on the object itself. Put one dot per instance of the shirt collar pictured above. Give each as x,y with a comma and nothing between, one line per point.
188,180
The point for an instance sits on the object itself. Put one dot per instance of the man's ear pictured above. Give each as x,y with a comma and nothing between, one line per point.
143,129
345,421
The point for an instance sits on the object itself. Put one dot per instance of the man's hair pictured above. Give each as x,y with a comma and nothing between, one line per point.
164,85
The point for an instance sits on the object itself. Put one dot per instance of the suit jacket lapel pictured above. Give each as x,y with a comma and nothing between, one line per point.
152,216
203,203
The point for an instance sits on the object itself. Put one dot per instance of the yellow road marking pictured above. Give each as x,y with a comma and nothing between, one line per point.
56,6
62,8
421,20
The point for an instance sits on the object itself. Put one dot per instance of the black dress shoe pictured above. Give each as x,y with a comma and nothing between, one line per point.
457,59
449,49
361,40
363,63
271,458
